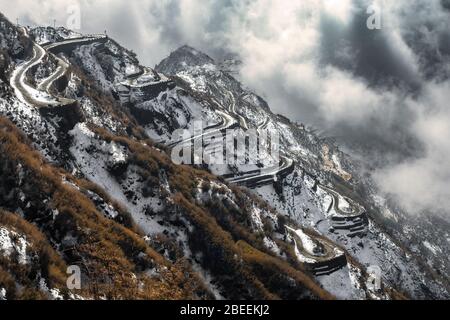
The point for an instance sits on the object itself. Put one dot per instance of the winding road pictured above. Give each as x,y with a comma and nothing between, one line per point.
352,209
321,256
55,46
252,178
266,175
242,120
144,78
26,92
226,123
61,70
351,218
41,97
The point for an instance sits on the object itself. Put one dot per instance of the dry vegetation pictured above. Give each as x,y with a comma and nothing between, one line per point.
111,252
240,275
106,104
113,257
44,261
218,229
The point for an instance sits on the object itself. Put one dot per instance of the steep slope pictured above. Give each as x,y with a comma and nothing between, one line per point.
315,240
74,225
141,227
324,190
218,112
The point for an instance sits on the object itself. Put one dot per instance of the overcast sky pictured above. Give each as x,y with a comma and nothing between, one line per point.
316,62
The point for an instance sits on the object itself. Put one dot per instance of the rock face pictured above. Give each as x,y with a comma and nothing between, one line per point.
96,181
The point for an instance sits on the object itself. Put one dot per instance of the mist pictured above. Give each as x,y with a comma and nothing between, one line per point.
382,93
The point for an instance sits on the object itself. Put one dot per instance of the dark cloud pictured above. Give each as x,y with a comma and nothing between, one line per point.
445,4
384,91
367,53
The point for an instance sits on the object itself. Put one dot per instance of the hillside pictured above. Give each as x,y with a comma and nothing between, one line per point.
88,179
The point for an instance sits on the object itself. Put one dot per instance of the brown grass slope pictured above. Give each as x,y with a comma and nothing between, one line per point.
217,232
114,258
112,254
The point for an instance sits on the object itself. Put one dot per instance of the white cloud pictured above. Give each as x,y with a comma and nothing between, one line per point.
422,184
314,60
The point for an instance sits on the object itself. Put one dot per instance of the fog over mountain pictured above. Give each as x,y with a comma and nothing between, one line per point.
332,180
383,93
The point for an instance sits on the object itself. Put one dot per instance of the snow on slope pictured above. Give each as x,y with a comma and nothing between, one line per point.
12,243
203,90
297,195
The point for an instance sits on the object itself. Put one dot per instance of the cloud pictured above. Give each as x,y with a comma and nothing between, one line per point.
422,184
385,91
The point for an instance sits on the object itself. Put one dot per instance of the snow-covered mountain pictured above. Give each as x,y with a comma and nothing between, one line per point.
86,137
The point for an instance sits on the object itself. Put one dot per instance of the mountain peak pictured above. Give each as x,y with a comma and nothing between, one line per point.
183,58
189,49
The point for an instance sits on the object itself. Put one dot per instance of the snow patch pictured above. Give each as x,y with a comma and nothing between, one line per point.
12,242
2,294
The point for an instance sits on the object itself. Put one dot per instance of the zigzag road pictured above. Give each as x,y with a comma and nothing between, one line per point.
252,178
41,97
321,256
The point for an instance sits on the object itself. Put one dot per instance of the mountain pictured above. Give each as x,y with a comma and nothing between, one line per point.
88,179
184,57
